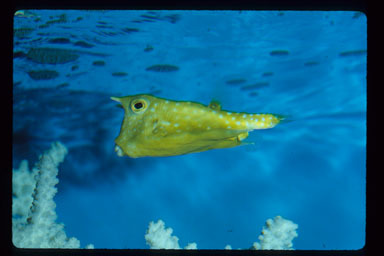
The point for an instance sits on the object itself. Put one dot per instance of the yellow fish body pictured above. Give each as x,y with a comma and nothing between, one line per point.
154,126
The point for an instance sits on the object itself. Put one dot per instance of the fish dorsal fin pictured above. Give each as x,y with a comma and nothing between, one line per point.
215,105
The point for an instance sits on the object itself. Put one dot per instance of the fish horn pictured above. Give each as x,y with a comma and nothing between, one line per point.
116,99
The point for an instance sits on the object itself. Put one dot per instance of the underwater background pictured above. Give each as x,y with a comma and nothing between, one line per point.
309,66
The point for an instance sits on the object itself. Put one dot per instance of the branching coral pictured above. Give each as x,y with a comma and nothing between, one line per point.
157,237
33,207
34,217
278,235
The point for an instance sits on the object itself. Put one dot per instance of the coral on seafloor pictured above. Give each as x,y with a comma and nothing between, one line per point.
34,216
33,208
277,235
157,237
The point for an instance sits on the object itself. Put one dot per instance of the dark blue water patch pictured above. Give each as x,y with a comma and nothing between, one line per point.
354,53
254,86
130,30
83,44
51,55
43,74
119,74
17,83
148,48
22,32
42,116
151,17
162,68
279,53
311,63
62,85
172,18
19,54
104,26
98,63
59,40
267,74
236,81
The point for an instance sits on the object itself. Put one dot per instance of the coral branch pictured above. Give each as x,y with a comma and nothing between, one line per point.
33,207
277,235
157,237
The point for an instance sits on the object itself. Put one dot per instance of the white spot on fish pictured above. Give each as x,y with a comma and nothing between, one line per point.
166,102
263,119
229,127
208,128
229,113
238,123
152,110
176,125
174,110
226,121
244,116
220,116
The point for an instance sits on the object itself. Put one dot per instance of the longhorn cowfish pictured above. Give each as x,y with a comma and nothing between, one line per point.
155,126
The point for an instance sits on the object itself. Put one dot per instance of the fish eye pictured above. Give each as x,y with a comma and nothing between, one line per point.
138,105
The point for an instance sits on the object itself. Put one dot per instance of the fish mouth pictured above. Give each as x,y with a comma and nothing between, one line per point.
119,150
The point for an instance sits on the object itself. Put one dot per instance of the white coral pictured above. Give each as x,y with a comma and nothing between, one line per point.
277,235
33,207
157,237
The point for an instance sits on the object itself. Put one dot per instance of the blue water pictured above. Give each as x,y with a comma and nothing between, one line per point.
309,169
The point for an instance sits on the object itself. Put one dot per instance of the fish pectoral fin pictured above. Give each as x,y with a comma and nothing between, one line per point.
160,130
